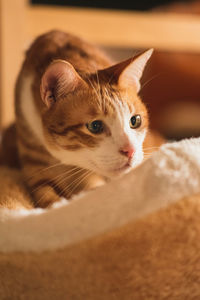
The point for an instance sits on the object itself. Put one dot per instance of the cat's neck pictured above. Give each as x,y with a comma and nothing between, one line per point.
67,179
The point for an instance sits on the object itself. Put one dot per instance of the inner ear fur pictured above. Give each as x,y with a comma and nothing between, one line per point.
59,79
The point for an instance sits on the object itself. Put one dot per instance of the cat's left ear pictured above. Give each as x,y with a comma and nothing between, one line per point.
129,72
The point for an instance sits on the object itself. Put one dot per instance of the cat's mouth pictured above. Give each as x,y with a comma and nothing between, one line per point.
123,169
116,171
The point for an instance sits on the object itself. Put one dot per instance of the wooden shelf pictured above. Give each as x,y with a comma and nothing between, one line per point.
165,31
20,23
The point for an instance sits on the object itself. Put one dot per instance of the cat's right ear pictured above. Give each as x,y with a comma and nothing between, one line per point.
58,80
128,72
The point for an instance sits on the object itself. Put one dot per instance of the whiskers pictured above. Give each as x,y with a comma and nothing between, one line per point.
38,172
146,156
77,182
150,80
148,151
56,180
67,183
151,149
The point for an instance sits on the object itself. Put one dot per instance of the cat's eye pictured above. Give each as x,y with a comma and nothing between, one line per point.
95,127
135,121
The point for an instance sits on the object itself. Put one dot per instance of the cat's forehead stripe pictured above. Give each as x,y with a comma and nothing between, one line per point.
116,105
110,101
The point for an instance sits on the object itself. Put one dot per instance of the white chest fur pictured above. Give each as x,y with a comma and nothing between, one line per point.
28,109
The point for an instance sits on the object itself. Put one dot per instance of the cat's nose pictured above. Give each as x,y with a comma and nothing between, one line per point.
127,151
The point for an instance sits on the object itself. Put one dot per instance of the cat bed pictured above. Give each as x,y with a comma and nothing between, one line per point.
137,237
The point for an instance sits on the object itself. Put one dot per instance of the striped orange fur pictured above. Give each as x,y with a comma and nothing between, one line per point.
65,90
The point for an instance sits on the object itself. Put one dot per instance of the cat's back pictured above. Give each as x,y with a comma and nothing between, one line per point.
85,57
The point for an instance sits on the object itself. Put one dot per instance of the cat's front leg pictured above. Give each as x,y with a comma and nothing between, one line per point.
45,196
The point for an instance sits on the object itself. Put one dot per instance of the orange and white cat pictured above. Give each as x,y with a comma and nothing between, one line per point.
79,118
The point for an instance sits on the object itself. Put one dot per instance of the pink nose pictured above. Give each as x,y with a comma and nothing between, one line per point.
127,151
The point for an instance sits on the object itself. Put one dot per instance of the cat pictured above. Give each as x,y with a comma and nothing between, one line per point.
79,119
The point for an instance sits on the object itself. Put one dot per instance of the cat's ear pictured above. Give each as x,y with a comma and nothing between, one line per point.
133,71
58,80
129,72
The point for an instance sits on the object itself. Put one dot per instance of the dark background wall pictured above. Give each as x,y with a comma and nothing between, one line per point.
123,4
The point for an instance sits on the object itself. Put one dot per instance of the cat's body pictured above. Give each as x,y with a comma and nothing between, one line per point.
73,121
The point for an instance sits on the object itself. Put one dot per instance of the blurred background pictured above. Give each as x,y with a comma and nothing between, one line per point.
107,4
171,82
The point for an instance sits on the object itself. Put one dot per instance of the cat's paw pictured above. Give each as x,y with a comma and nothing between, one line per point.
63,201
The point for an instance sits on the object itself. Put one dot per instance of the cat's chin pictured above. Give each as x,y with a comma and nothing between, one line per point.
117,172
120,171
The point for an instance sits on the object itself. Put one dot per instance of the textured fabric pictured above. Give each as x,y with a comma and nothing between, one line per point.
134,238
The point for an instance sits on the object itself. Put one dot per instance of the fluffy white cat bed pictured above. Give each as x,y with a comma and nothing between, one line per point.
134,238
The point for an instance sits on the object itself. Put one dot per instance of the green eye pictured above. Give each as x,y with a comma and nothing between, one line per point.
95,127
135,121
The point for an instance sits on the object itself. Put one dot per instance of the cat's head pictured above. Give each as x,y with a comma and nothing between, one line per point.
97,122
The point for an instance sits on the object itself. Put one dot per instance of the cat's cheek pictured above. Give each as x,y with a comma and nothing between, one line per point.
138,159
139,154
